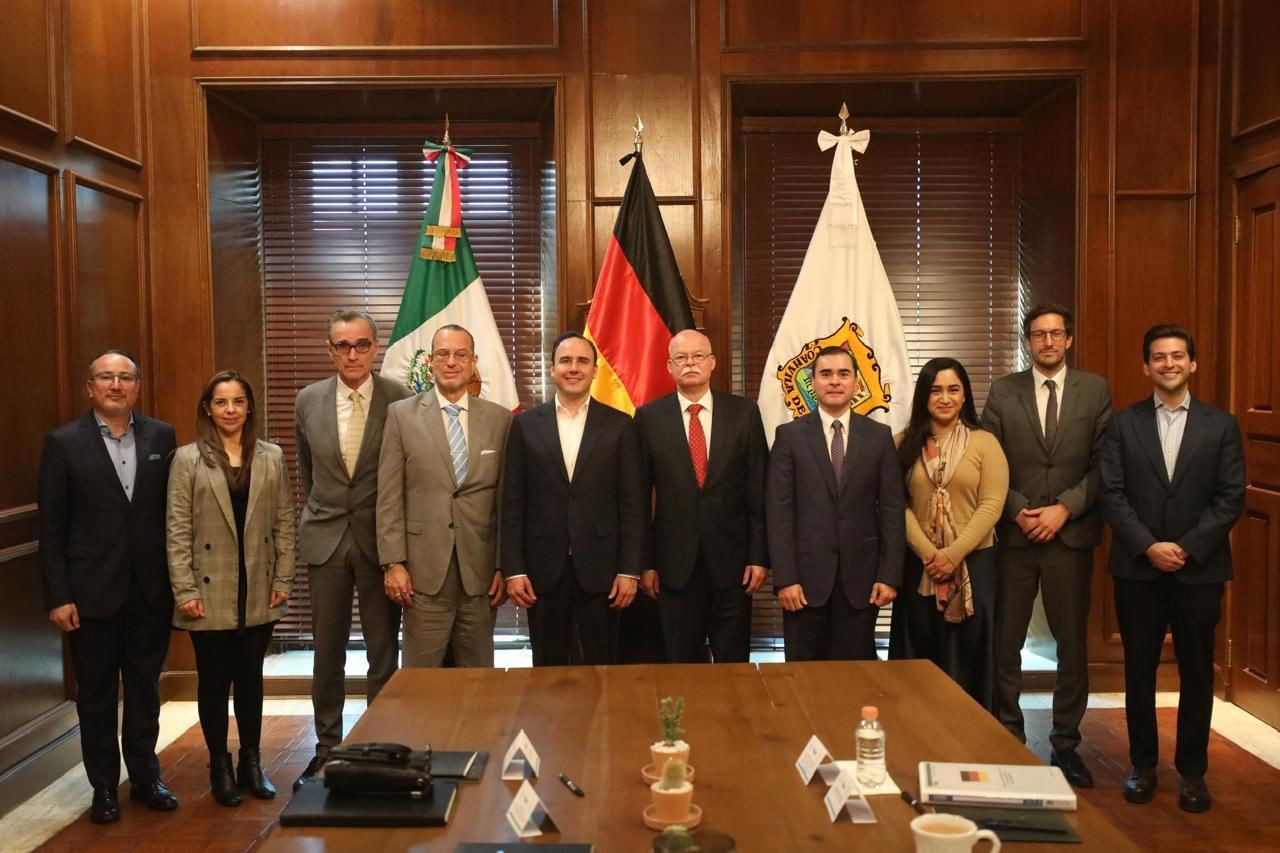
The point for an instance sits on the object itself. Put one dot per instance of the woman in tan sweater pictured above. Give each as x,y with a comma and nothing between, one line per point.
957,479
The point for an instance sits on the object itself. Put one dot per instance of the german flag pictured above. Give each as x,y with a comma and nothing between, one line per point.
639,302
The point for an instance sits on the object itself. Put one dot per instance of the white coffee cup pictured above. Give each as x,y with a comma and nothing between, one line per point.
949,833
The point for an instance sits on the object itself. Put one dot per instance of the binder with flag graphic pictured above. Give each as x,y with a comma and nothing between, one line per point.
639,302
444,287
842,297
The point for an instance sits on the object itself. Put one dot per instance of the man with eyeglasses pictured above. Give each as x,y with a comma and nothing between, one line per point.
704,456
102,496
1050,422
439,479
338,423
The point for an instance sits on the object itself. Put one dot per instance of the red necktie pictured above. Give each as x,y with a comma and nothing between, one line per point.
697,444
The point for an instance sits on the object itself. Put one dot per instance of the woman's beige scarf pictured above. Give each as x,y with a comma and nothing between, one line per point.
954,596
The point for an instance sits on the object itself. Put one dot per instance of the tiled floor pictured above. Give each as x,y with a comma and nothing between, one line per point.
1242,780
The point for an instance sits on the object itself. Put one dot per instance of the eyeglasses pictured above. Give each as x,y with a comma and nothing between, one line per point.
683,358
108,378
458,354
345,347
1040,334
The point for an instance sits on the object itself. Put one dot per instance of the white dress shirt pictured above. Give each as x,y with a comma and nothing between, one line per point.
704,417
829,433
365,392
1172,423
570,427
1042,392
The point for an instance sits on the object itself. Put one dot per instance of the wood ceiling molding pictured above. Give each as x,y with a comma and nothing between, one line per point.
757,25
28,78
397,27
103,69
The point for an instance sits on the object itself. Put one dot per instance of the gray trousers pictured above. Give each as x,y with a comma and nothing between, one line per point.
1064,576
332,584
450,618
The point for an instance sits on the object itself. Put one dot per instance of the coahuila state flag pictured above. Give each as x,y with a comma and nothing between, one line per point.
444,287
841,298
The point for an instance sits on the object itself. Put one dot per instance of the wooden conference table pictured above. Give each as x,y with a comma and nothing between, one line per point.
747,725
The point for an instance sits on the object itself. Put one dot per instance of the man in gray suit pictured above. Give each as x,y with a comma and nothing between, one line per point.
439,478
1050,422
338,426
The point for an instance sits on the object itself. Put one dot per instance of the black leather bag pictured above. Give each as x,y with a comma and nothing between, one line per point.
379,770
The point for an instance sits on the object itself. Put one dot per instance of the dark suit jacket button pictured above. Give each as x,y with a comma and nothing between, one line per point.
351,485
451,525
266,538
207,546
206,580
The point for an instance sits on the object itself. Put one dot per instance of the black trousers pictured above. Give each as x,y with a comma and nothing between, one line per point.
225,659
834,631
568,625
966,650
1064,577
702,615
128,647
1146,610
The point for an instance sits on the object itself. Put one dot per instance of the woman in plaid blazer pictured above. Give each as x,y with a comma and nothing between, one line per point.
231,558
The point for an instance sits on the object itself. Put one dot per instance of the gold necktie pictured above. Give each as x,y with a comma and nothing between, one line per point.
355,434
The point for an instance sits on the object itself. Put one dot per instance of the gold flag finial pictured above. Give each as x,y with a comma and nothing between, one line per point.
844,118
446,141
638,141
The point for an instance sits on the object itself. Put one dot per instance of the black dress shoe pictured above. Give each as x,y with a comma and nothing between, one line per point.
105,808
157,797
1193,795
1140,787
1072,767
317,761
222,780
249,775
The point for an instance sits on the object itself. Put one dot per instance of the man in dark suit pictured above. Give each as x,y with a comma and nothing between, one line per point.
837,520
704,456
102,543
573,514
1173,487
1050,421
338,426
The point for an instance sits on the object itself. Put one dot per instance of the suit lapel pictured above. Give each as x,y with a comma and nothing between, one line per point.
1149,438
674,416
1027,394
817,440
434,421
374,420
1192,436
547,431
590,435
97,450
257,478
718,439
221,491
1070,397
852,448
329,420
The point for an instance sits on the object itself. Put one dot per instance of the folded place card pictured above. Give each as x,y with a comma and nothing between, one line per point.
843,796
831,770
519,755
527,815
811,758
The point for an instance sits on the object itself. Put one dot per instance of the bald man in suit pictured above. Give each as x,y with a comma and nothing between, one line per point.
439,480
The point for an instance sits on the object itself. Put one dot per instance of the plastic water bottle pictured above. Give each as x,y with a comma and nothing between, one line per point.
870,748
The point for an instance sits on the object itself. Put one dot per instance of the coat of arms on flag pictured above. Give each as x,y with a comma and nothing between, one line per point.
796,374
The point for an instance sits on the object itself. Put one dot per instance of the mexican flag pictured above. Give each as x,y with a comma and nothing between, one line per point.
444,287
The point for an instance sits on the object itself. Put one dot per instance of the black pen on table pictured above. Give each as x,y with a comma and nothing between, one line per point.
571,785
913,802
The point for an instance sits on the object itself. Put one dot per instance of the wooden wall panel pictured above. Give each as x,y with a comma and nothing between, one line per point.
1155,95
1255,68
642,63
818,24
107,274
103,72
31,665
27,62
1050,171
29,258
358,26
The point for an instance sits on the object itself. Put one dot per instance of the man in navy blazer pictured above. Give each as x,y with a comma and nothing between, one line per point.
837,524
704,460
1173,487
573,514
102,496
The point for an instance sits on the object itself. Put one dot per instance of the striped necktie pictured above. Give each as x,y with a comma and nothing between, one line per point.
355,434
457,443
